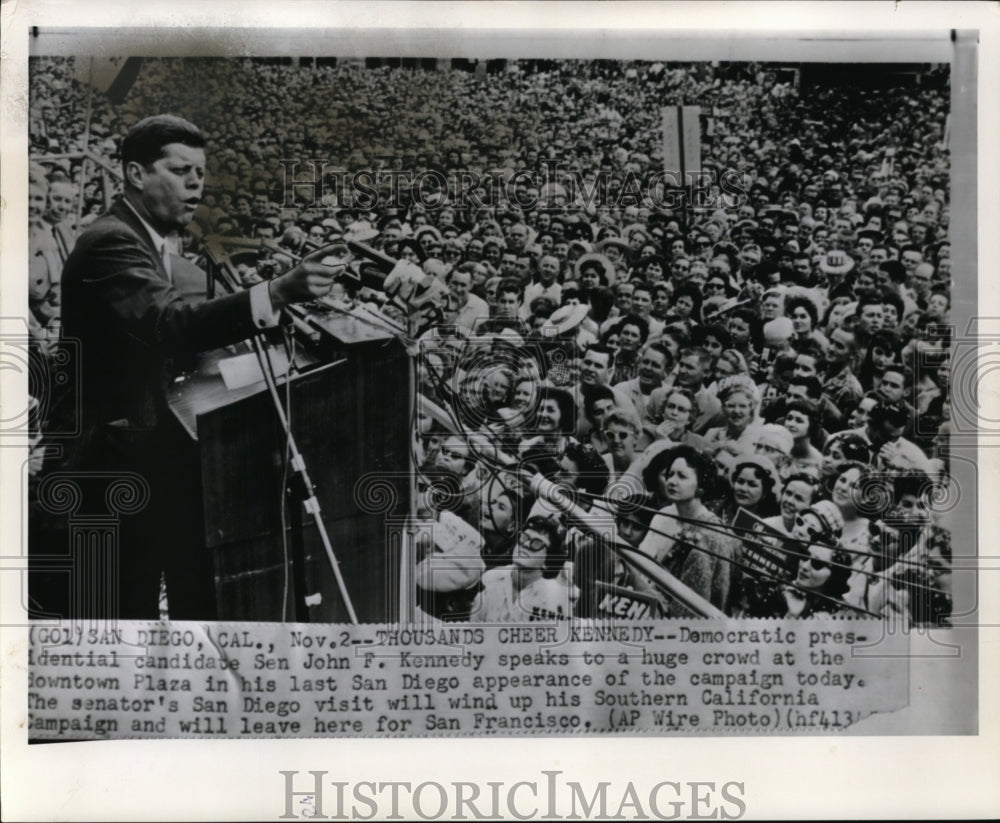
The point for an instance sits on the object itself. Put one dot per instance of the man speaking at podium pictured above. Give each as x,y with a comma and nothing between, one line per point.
119,301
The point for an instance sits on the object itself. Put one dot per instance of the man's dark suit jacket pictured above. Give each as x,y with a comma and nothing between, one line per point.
132,324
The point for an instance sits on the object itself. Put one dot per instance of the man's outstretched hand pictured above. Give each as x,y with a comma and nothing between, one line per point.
313,277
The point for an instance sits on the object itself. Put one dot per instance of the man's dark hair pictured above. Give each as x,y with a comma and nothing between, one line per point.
593,472
810,348
591,394
869,299
662,348
894,269
600,349
145,140
510,284
641,285
814,388
889,297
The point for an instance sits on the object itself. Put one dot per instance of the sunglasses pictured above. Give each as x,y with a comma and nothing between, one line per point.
618,435
817,564
533,544
801,523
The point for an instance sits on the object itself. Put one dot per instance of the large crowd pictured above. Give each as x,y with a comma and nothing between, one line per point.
747,385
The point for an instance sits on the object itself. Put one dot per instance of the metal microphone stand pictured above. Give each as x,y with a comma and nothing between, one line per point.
305,491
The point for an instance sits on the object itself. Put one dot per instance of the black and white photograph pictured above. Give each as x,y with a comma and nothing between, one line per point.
525,386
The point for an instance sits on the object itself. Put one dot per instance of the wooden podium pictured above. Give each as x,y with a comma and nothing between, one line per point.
350,419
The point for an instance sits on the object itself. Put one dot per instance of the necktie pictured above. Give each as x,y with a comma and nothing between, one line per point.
166,260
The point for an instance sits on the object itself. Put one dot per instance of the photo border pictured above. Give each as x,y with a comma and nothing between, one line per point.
901,776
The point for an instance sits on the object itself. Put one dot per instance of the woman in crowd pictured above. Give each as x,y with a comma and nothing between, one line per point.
820,583
842,447
633,332
621,433
685,305
797,494
882,352
755,487
500,508
739,399
680,410
739,250
730,363
685,536
535,586
801,419
803,313
554,422
850,488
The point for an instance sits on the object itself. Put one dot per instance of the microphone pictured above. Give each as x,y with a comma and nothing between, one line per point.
383,261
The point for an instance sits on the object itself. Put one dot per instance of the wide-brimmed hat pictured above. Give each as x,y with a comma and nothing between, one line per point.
617,242
565,319
360,231
632,228
777,331
837,261
600,260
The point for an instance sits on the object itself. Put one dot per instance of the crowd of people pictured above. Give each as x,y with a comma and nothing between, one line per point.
746,383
